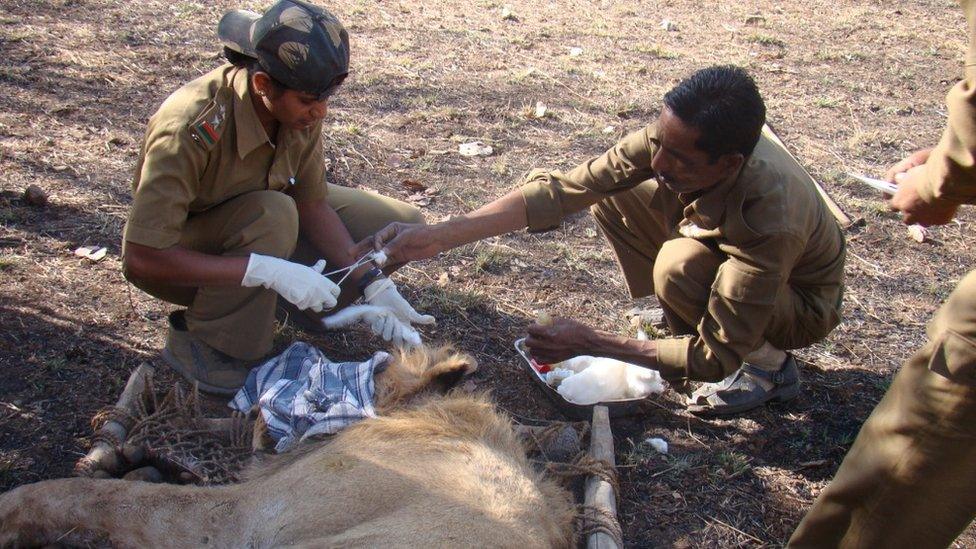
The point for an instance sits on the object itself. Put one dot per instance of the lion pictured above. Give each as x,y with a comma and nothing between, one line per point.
435,469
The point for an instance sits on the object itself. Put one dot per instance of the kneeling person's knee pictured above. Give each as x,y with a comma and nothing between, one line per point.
683,260
270,225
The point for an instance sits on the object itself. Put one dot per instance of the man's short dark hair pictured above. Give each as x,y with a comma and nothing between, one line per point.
723,103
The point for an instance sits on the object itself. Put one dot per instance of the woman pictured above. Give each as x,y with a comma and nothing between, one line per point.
230,185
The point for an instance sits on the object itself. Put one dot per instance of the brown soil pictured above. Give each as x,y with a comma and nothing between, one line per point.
850,86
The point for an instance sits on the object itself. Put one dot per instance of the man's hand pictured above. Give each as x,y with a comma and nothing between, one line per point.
383,293
917,158
304,286
562,339
913,207
402,242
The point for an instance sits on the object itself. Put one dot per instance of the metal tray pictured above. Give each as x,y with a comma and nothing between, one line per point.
617,408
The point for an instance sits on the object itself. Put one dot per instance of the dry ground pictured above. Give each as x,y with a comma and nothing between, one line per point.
850,85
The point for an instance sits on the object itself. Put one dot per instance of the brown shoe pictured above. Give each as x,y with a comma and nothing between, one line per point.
209,369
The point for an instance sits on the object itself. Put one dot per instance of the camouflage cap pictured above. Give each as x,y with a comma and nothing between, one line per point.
299,44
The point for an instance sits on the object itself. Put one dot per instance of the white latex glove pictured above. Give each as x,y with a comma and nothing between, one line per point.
303,286
382,321
383,293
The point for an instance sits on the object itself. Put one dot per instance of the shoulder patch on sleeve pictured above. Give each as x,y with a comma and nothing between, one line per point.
207,128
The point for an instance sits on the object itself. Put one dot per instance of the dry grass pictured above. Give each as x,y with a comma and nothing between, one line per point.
850,86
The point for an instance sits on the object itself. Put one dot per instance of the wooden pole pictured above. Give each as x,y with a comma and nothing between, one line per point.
598,492
104,456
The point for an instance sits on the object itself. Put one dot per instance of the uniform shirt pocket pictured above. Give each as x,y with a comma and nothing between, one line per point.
954,358
738,285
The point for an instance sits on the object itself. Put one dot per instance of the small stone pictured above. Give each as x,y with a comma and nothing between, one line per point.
540,109
918,233
668,25
475,148
133,453
35,196
508,14
93,253
575,52
144,474
564,446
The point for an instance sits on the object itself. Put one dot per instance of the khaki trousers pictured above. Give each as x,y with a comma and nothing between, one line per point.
909,480
239,321
641,226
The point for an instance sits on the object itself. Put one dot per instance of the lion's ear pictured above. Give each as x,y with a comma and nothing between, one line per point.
447,372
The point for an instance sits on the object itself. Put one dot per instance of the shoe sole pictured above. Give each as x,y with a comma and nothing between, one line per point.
786,395
175,364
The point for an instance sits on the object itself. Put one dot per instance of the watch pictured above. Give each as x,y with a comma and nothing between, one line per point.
367,278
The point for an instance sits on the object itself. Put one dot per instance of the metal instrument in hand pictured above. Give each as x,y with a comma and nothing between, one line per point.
878,184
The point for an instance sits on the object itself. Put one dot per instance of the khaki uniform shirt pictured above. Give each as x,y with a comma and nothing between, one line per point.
768,220
951,168
205,145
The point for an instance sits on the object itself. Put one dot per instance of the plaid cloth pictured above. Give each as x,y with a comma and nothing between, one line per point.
302,393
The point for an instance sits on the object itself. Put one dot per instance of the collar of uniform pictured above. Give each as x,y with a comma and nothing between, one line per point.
707,210
250,132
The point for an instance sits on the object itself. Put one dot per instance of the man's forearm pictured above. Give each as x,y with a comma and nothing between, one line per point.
633,351
500,216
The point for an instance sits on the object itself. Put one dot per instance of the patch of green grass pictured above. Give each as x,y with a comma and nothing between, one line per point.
652,331
400,46
847,439
185,10
765,40
627,109
731,464
54,363
13,74
8,214
491,259
826,102
353,129
658,51
834,56
447,300
9,262
522,75
424,164
15,36
500,168
578,255
639,453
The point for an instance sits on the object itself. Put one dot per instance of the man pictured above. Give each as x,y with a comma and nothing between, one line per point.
230,183
909,478
713,217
